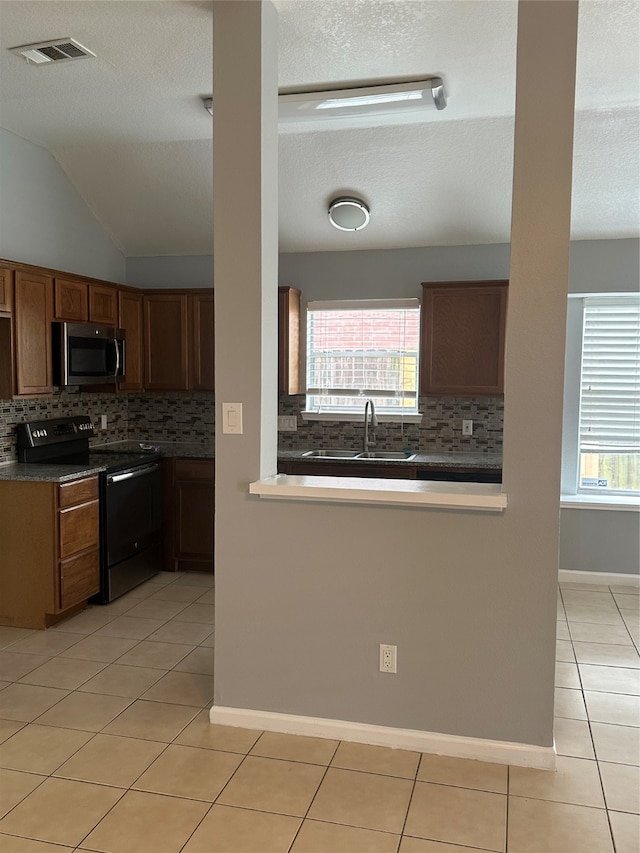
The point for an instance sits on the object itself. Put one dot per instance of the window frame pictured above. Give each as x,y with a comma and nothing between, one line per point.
572,493
396,414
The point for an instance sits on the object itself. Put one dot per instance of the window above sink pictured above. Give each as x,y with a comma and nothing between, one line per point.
363,349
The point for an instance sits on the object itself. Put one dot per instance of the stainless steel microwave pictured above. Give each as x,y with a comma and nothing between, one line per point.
87,354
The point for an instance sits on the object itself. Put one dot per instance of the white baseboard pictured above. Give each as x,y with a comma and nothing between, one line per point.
602,578
498,752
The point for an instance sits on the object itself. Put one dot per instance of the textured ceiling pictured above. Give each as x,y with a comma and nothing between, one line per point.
130,131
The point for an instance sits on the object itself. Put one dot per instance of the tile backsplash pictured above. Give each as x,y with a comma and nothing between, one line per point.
440,430
148,417
172,417
191,417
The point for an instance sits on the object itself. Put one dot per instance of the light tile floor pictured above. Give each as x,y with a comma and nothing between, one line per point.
105,745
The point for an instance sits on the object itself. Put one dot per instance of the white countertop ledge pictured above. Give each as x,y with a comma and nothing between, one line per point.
427,494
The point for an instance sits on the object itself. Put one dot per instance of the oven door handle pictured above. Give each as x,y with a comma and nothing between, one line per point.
131,475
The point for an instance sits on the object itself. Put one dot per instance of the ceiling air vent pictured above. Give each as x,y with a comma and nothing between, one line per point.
56,50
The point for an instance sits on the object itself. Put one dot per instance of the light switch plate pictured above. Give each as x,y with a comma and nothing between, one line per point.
232,418
287,423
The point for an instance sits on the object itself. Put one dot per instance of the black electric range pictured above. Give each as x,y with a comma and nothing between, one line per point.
130,498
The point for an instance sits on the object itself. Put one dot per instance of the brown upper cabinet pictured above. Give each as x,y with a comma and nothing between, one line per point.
33,312
6,290
462,338
288,340
166,336
103,304
130,318
79,302
202,341
178,335
70,300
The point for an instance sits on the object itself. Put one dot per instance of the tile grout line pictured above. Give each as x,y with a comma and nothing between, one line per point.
597,760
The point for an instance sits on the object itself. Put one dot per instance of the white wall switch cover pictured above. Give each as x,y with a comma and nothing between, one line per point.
287,423
232,418
103,421
467,427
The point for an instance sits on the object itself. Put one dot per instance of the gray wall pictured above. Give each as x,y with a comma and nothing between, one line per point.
600,541
44,221
305,592
595,266
184,271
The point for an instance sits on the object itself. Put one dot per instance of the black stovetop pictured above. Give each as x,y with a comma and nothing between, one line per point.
65,441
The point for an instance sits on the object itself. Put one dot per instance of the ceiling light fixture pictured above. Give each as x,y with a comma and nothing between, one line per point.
348,214
208,105
56,50
388,99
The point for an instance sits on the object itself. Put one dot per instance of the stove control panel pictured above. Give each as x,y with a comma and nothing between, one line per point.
57,431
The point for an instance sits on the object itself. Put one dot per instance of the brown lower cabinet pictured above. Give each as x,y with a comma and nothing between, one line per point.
188,517
403,471
49,556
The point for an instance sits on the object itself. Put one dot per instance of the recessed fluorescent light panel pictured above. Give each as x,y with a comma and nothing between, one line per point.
387,100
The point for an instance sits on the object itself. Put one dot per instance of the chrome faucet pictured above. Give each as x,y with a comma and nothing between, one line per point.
367,442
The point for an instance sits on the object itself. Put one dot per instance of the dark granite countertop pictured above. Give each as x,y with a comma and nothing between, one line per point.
193,450
41,473
183,449
452,459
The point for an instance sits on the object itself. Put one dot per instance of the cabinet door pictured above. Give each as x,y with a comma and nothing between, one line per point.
103,304
166,335
131,320
403,471
6,290
288,340
71,300
462,338
202,340
192,510
194,520
79,578
33,314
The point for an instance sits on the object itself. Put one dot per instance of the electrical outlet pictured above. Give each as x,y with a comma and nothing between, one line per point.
388,658
467,427
287,423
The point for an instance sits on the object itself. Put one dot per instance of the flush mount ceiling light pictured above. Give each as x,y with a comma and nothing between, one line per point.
388,99
348,214
208,105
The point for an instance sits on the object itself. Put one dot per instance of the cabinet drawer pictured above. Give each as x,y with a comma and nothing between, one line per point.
77,492
195,469
79,578
78,529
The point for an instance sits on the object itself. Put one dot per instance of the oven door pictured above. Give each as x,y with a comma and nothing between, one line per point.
131,531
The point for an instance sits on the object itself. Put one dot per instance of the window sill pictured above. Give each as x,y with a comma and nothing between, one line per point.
624,503
356,417
483,497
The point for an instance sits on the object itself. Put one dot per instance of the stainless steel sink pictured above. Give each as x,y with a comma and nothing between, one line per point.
381,454
331,454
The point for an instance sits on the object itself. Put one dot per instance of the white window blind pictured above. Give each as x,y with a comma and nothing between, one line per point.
610,383
363,349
